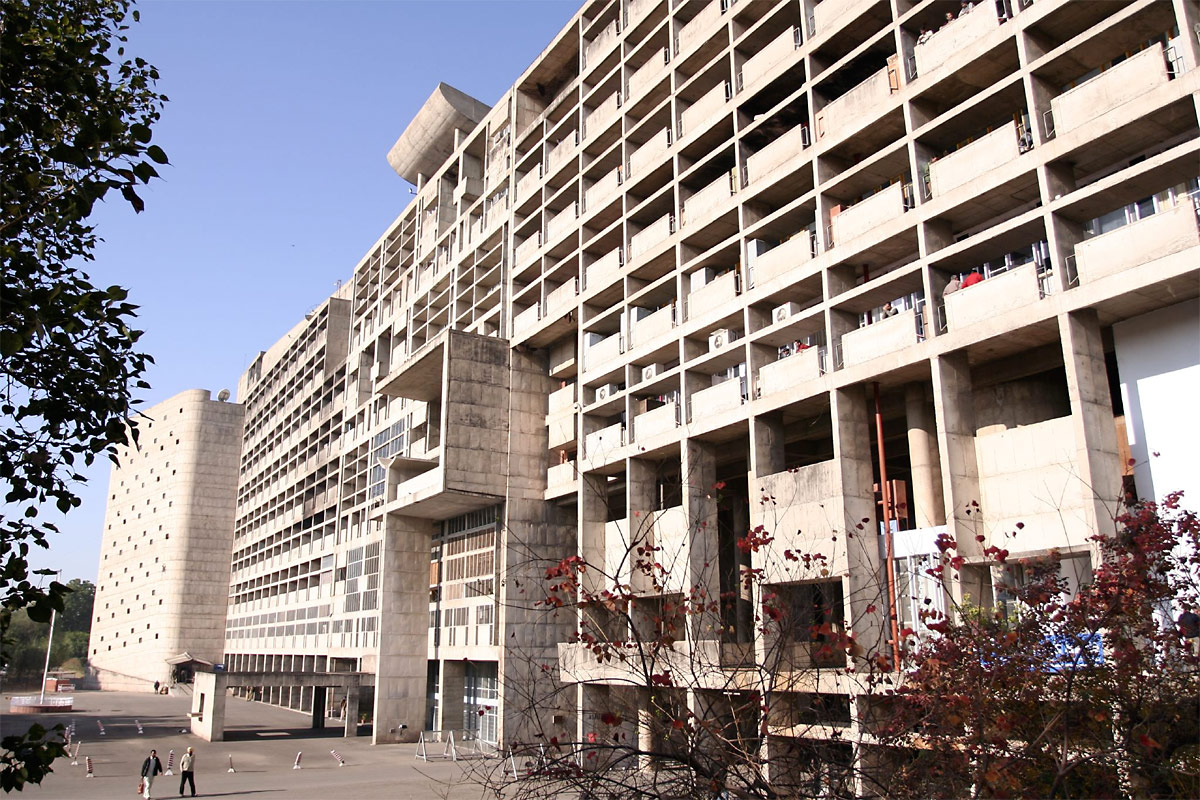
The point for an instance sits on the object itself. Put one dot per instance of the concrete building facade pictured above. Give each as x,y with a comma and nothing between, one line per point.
164,560
819,267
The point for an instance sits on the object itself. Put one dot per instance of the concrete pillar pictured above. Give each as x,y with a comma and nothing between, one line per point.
352,712
699,476
642,483
403,630
954,409
1097,457
766,445
925,493
318,707
208,705
451,687
866,583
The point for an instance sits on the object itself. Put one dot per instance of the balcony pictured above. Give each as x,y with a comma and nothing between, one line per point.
526,320
789,373
1029,475
604,271
1132,78
602,115
869,214
602,444
715,399
1170,231
781,259
602,352
941,47
595,50
562,223
602,190
806,511
699,27
884,336
697,662
779,152
561,428
561,400
529,183
858,107
712,198
638,9
562,152
1000,147
526,251
714,295
562,299
829,15
560,480
1016,288
650,153
655,422
650,327
648,74
707,109
776,52
653,234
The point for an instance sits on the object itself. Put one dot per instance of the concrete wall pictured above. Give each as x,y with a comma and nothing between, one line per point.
1158,356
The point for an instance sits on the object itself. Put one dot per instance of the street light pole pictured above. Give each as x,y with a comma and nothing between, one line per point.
49,643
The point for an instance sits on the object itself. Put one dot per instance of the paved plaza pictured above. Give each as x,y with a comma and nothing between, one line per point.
263,742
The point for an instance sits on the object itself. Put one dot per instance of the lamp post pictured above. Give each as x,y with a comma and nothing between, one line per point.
49,644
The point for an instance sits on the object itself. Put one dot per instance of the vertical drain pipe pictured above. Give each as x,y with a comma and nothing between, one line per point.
885,494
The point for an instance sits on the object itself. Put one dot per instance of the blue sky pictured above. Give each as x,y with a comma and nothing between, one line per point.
280,118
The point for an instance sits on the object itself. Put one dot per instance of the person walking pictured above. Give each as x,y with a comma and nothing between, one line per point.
187,767
151,768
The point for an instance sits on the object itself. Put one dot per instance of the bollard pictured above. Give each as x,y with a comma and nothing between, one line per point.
231,769
341,761
170,763
299,754
75,755
138,722
90,774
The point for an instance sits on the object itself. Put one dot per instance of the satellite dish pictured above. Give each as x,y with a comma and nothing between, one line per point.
223,395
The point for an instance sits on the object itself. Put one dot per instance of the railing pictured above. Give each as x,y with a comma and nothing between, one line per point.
50,700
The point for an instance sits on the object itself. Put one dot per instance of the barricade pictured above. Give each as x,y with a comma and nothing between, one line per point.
138,722
231,769
100,725
299,755
435,738
75,755
170,763
338,757
90,774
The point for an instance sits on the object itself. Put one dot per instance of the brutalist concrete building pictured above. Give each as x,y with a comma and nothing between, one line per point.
882,267
161,590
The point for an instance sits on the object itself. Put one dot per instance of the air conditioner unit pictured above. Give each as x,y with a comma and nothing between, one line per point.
606,391
652,371
719,338
784,311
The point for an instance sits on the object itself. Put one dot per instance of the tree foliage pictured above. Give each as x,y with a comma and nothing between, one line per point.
1057,689
78,113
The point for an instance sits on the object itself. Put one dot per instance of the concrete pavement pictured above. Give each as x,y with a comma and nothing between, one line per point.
264,742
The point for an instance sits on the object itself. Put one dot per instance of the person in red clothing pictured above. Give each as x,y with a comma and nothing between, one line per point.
973,278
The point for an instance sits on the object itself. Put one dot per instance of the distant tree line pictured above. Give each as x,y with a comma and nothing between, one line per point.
26,639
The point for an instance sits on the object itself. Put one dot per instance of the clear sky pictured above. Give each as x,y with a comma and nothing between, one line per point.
279,121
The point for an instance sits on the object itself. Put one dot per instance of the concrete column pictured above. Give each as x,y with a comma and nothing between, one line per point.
866,583
1187,15
645,728
699,476
1097,457
352,712
318,707
642,482
766,445
954,409
450,700
925,494
403,630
